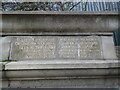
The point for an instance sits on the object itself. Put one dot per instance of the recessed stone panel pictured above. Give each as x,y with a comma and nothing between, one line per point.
56,47
33,48
5,43
68,47
90,47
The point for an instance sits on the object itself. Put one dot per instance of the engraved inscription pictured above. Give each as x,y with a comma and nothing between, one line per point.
68,47
33,47
56,47
90,47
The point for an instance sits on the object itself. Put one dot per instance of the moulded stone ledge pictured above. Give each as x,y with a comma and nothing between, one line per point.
61,64
106,83
37,22
58,69
62,73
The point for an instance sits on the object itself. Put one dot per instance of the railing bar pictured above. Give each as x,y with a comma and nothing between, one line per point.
93,6
101,4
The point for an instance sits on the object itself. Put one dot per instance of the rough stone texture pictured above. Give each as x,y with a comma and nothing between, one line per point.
4,48
56,47
68,47
4,84
57,73
70,82
29,22
90,47
33,48
66,73
2,75
118,51
61,64
2,65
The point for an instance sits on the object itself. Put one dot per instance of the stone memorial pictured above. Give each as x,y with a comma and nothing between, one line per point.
59,49
56,47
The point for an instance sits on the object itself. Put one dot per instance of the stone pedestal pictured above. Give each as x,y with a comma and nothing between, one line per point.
61,49
58,48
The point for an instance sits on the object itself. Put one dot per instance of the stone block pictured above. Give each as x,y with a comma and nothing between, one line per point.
66,73
75,22
68,47
117,48
56,47
67,82
4,48
33,48
108,47
90,47
4,84
61,64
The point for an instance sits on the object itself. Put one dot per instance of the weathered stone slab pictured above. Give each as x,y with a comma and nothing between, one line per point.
108,47
33,47
57,22
90,47
68,47
4,48
56,47
103,83
61,64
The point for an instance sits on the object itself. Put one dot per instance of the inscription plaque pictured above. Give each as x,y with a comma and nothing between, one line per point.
33,47
68,47
56,47
90,47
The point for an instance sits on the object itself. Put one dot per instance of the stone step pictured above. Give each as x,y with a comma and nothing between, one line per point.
61,68
62,73
61,64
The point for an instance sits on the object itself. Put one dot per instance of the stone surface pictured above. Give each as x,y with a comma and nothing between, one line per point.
33,48
40,22
66,73
4,83
4,48
68,47
117,48
90,47
108,48
56,47
20,74
68,83
2,65
61,64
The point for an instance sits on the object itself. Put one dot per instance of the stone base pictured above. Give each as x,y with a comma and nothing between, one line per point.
59,61
66,83
57,74
57,47
118,51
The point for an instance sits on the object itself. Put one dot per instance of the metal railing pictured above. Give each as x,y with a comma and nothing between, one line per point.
61,6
